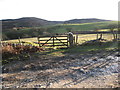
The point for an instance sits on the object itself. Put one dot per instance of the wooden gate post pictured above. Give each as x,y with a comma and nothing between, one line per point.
53,41
71,39
76,39
67,41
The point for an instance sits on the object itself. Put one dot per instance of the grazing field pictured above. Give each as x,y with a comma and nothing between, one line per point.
86,37
63,28
81,38
57,29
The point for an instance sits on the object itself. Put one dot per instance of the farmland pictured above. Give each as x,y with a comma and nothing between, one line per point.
56,29
81,38
83,27
90,63
64,28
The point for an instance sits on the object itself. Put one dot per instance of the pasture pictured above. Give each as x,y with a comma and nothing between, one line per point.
57,29
81,38
63,28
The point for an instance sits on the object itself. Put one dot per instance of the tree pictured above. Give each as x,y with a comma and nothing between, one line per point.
96,29
112,28
4,37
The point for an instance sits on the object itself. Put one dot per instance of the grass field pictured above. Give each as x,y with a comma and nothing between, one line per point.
81,38
62,28
57,29
86,37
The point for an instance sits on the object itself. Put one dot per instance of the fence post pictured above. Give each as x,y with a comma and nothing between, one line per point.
97,36
19,39
53,42
100,36
67,41
76,39
38,41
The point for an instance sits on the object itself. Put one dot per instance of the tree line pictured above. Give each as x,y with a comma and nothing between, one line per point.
34,32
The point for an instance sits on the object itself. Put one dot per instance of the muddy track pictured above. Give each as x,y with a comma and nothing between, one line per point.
65,72
85,70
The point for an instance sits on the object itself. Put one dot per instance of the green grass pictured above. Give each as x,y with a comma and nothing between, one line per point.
62,28
110,45
94,47
80,27
81,39
57,29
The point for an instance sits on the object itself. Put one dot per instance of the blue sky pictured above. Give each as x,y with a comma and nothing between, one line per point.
59,10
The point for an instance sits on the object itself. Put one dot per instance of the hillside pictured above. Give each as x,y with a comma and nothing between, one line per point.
8,24
84,20
32,27
63,28
25,22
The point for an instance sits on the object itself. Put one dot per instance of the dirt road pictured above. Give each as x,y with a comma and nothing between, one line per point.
91,70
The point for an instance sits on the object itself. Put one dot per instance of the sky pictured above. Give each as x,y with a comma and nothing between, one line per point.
59,10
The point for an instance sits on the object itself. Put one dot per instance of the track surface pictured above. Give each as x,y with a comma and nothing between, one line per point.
92,70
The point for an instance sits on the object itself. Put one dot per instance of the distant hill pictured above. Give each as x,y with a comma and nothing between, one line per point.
90,20
26,22
8,24
32,27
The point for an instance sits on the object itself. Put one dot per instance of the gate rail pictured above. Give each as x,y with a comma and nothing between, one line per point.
57,40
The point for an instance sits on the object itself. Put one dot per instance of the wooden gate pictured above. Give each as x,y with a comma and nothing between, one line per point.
52,41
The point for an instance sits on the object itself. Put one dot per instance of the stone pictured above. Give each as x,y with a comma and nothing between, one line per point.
37,86
5,70
81,70
117,54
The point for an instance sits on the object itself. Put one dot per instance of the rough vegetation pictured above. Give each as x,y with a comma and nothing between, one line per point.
19,52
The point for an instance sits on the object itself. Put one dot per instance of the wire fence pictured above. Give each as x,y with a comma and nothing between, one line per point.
78,39
81,38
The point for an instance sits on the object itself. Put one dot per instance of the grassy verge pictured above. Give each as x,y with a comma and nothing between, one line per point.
80,49
93,47
99,46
